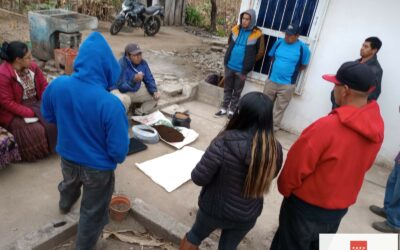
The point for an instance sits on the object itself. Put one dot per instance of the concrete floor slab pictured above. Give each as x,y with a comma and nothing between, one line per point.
29,190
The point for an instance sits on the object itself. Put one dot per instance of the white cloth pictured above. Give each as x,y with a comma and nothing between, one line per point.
170,171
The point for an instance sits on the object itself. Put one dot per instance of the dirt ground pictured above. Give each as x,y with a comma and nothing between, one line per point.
144,239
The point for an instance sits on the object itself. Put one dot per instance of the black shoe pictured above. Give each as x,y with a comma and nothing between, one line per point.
384,227
378,210
220,113
230,115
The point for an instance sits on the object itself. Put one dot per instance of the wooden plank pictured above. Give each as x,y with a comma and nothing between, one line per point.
171,17
167,7
178,12
184,11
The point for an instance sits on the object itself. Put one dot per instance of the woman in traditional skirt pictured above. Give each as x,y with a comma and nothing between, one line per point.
8,148
21,87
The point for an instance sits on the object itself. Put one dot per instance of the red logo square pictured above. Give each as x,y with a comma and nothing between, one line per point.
358,245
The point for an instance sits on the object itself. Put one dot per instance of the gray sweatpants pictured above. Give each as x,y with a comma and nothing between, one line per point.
232,90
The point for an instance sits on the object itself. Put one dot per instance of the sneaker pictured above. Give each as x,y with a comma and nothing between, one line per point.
220,113
378,211
230,115
384,227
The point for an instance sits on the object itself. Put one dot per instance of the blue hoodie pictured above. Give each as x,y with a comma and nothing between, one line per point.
91,122
238,53
126,81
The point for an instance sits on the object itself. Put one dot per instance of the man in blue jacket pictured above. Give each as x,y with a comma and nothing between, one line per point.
129,88
245,48
289,56
92,135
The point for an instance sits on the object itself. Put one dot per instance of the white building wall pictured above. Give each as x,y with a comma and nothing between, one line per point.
346,25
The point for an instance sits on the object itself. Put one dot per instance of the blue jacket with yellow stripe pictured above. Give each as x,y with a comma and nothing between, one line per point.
255,47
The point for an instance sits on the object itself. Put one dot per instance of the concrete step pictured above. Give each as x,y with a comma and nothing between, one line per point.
171,110
172,89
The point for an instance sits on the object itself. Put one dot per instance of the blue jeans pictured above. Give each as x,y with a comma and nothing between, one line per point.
392,197
231,235
98,187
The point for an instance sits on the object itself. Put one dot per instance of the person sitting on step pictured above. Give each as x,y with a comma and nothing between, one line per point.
129,88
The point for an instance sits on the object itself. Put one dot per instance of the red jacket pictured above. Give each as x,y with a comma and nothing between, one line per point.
11,93
326,166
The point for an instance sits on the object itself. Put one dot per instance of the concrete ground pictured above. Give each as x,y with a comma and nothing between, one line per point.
29,196
29,190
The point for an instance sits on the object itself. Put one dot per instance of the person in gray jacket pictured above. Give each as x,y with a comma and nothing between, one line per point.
368,53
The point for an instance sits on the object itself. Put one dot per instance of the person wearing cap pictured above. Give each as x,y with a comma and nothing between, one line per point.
129,88
289,56
325,167
245,48
368,53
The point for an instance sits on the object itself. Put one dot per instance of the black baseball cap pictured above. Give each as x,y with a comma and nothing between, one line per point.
293,29
133,49
357,76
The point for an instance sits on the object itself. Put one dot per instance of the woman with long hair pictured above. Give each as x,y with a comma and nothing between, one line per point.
21,87
235,172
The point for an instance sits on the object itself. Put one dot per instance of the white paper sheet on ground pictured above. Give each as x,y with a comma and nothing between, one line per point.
170,171
152,119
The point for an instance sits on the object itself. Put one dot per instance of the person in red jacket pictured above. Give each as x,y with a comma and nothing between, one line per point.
325,167
21,87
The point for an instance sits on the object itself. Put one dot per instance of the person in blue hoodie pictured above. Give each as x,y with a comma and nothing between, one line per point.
92,135
129,88
246,47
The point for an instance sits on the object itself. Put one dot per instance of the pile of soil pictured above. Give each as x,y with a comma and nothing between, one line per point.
169,134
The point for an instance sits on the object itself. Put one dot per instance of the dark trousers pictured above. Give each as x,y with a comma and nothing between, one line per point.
98,187
231,235
297,231
233,87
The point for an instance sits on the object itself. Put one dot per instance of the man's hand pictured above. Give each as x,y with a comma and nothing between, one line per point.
139,77
156,95
243,77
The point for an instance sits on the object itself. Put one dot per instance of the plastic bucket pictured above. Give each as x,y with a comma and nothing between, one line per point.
181,120
119,207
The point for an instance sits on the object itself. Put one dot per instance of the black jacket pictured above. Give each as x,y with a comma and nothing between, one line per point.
222,172
377,69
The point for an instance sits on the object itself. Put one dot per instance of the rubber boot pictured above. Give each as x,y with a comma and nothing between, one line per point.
186,245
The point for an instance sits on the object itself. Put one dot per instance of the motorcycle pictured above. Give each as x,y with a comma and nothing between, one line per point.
136,15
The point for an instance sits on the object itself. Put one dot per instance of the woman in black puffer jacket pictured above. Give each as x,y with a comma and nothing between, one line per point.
235,172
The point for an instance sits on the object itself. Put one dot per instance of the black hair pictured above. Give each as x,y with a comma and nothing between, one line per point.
255,114
13,50
375,42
